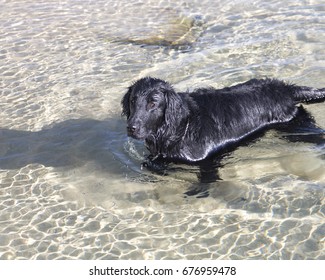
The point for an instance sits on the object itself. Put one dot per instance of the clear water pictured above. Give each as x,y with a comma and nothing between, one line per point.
71,186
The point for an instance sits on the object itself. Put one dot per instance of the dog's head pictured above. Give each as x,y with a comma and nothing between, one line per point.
145,105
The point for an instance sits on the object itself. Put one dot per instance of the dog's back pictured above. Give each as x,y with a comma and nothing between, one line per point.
226,116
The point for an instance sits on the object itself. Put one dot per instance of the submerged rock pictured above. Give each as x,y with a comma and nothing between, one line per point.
177,32
161,27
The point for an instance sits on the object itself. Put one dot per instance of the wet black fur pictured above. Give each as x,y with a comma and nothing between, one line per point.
193,126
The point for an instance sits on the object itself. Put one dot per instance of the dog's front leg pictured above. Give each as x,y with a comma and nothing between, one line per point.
156,164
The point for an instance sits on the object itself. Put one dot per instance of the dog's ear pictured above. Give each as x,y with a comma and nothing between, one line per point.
126,103
176,114
174,107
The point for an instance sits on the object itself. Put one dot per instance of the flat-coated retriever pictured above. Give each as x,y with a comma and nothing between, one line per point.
191,126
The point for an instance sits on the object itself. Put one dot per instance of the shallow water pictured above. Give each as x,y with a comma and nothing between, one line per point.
71,186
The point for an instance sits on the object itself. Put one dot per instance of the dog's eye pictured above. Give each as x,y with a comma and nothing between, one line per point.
151,105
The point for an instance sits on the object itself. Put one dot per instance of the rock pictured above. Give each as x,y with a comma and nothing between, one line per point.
177,32
161,27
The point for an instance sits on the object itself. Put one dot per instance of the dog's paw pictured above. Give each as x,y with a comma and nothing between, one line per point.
157,166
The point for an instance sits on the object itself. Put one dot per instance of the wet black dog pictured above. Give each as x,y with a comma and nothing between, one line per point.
191,126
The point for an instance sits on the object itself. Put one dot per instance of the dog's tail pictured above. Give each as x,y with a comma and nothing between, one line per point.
309,95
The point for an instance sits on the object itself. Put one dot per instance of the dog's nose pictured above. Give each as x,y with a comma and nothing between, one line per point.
131,128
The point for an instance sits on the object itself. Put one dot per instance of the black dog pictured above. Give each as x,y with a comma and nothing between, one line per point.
192,126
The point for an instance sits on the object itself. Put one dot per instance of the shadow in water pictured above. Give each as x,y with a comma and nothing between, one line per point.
69,143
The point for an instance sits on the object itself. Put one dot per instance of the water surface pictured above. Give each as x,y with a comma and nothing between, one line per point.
71,186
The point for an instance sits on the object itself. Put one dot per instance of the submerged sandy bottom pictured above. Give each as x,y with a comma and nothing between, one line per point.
71,186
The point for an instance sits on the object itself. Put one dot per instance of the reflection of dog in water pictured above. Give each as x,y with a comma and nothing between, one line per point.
196,126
